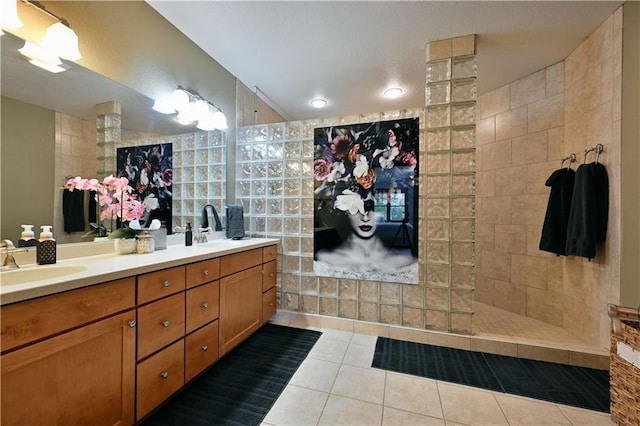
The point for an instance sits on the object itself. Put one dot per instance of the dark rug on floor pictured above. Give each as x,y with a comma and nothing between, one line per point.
240,388
563,384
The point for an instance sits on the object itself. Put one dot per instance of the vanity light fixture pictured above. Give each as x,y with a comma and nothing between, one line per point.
60,41
9,19
318,102
192,107
42,58
393,92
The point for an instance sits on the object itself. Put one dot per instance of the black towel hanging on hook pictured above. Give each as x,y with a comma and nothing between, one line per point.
554,229
589,209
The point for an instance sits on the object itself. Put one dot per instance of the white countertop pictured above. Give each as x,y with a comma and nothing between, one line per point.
77,272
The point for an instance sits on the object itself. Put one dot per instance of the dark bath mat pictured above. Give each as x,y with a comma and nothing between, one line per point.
240,388
563,384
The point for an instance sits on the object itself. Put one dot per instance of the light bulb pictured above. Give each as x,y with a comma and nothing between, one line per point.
393,92
179,99
63,41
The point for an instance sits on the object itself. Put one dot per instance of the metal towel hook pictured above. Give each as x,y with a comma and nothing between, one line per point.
599,148
571,158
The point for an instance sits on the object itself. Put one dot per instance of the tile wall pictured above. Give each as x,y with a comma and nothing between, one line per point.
524,129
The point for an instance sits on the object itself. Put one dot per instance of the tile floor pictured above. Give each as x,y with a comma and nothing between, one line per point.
336,385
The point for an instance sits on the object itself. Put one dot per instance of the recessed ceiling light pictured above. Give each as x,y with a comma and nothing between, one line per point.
318,103
393,92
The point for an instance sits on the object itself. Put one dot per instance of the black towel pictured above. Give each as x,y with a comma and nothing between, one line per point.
73,210
589,211
554,230
93,207
235,221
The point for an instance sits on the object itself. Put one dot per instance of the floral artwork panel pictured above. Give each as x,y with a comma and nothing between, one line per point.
366,201
149,169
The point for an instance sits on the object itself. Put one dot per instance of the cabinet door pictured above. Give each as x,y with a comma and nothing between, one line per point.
83,377
240,307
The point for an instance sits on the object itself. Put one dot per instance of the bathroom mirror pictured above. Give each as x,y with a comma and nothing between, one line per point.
30,171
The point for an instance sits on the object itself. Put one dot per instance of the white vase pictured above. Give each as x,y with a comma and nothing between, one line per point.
125,245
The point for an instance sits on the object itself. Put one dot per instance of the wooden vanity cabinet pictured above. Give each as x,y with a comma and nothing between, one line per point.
79,373
109,354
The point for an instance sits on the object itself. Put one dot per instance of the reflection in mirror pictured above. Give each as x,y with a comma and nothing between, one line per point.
49,134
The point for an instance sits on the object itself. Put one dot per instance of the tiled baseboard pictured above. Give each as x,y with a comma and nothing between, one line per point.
583,357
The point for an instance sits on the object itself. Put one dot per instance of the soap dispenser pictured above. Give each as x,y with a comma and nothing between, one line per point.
27,239
188,235
46,246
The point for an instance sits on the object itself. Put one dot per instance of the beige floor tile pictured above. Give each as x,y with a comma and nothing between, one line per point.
415,394
359,355
316,374
287,409
341,411
341,336
582,417
364,339
364,384
329,350
525,411
394,417
462,404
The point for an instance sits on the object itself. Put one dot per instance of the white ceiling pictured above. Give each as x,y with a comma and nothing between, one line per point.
349,52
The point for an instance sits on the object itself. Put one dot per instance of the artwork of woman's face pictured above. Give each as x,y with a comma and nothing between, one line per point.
364,225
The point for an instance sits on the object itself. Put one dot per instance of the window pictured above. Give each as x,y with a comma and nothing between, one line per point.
391,205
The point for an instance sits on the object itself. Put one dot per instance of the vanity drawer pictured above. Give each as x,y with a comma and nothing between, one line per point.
269,253
201,350
155,285
35,319
269,275
203,272
233,263
269,304
160,323
203,305
159,377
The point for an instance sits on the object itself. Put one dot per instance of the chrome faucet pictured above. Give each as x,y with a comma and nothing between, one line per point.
9,261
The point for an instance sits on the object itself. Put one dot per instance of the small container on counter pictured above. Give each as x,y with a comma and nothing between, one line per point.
188,235
145,243
46,249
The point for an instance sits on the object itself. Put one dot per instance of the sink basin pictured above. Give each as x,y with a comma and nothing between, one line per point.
24,276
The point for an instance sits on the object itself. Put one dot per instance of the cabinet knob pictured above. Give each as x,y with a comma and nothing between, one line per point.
205,348
205,305
132,323
262,271
166,323
271,275
164,375
166,283
205,272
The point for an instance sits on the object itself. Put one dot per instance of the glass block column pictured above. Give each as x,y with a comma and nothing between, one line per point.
450,184
108,134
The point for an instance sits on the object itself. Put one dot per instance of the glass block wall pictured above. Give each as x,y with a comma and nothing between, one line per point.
449,184
274,183
199,171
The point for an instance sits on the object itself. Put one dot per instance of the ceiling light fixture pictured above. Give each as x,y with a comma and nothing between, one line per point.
318,102
192,107
393,92
9,19
60,41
